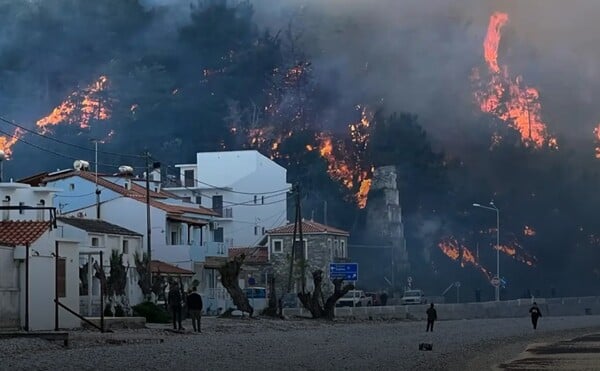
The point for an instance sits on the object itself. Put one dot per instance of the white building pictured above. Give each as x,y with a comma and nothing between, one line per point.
246,188
36,265
100,236
183,234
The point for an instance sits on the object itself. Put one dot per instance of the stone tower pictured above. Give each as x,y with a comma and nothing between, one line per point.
384,222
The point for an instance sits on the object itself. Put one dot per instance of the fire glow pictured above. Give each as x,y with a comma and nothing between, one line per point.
79,108
6,143
345,165
458,252
509,100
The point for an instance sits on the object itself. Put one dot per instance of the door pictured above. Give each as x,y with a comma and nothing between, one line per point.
9,289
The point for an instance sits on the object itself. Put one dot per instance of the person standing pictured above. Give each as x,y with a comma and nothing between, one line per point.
174,301
431,317
384,298
536,313
194,304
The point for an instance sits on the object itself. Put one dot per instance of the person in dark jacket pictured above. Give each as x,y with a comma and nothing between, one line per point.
536,313
174,301
384,298
194,304
431,317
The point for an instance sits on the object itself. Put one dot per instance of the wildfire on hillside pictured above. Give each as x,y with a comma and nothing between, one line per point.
509,99
6,142
80,107
347,165
459,252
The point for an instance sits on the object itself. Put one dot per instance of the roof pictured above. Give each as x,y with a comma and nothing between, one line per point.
136,192
20,233
157,266
254,255
309,227
34,180
97,226
197,223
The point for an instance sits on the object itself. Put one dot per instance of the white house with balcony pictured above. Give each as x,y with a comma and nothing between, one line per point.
37,266
183,234
99,239
248,190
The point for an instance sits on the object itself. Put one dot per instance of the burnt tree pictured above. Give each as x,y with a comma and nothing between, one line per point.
315,302
229,278
141,266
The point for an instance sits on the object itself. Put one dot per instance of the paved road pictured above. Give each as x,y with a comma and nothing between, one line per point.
296,345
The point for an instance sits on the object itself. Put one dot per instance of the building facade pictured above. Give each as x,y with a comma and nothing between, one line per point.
322,245
248,190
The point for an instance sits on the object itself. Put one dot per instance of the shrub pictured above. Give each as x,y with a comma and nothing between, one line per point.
119,312
108,311
152,312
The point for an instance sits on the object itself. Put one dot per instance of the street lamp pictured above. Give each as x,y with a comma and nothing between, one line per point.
494,208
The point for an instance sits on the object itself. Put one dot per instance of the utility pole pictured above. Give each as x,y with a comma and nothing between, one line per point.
297,231
148,224
96,180
325,212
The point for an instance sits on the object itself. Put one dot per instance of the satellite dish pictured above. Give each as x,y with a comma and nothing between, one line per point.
81,165
125,170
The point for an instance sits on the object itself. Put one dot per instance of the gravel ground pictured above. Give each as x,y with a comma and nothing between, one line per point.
258,344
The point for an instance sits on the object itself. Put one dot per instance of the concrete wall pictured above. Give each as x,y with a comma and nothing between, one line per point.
503,309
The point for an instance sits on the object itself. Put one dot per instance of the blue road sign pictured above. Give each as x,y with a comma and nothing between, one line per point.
345,271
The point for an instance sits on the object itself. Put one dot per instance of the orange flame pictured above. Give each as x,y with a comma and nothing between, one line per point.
344,165
80,107
458,252
509,100
7,142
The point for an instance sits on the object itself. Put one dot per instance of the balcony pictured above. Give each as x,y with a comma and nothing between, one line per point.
209,249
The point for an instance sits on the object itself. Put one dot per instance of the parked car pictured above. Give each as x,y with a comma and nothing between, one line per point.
354,298
375,297
413,297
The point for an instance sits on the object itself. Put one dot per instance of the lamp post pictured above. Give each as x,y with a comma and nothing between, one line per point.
494,208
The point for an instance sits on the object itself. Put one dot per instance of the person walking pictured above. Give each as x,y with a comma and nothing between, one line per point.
174,301
194,304
431,317
536,313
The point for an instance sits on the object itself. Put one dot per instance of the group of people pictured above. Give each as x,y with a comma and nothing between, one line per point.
534,311
193,302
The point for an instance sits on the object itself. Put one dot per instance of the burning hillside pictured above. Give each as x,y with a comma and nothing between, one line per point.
508,98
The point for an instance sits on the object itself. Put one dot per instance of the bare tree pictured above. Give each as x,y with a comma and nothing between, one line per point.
315,302
229,278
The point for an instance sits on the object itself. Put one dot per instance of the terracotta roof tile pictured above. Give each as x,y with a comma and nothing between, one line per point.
136,192
20,233
157,266
254,255
309,227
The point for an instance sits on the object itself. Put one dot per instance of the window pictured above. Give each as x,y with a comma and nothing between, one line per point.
188,178
95,242
300,253
61,277
21,211
277,246
342,249
72,186
174,238
199,200
125,246
6,213
336,249
218,235
217,204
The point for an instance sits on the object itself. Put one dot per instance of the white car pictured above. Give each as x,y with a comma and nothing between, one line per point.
413,297
355,298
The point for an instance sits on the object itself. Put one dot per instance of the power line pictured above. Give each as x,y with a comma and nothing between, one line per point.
14,123
18,139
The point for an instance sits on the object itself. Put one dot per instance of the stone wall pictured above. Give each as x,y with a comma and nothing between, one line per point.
492,309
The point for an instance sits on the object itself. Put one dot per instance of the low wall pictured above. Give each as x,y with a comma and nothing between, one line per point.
491,309
117,322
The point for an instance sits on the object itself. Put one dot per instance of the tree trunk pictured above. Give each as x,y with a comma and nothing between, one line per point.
229,278
313,302
271,310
